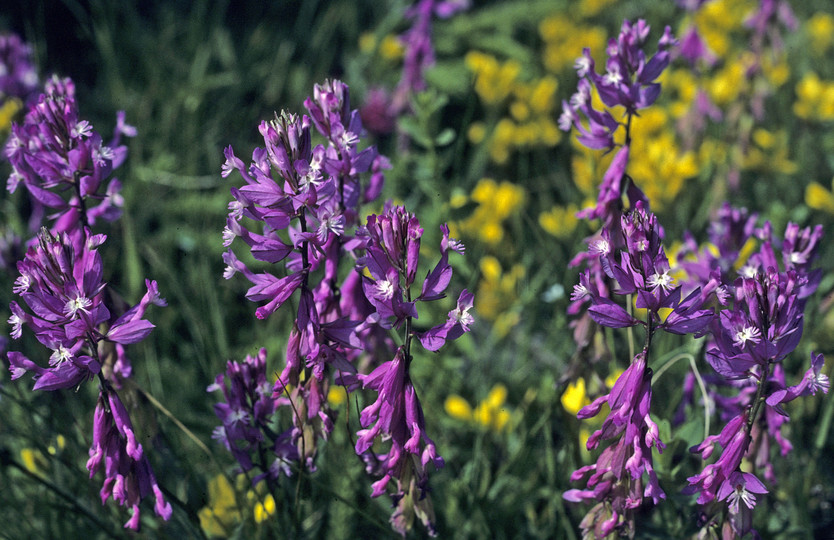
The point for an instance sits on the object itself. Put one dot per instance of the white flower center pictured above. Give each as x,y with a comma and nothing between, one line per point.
664,281
748,333
385,289
59,356
81,303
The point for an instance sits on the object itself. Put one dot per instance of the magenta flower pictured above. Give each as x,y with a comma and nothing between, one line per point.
128,475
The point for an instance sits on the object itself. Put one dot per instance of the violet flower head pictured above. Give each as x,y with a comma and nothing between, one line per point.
642,268
128,476
629,81
398,416
18,76
246,415
54,150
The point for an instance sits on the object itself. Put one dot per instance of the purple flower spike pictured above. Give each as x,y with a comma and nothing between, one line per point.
128,476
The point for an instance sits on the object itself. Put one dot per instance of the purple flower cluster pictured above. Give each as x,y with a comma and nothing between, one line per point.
128,476
311,195
18,76
640,268
629,82
419,50
617,477
307,199
760,326
64,290
63,162
64,165
246,415
391,259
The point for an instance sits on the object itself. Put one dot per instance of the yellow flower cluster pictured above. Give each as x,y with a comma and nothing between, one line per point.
819,198
496,203
769,152
389,47
222,515
564,38
719,19
491,413
656,162
497,291
531,107
560,221
820,28
815,98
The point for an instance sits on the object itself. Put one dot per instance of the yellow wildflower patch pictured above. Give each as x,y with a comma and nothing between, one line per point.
491,413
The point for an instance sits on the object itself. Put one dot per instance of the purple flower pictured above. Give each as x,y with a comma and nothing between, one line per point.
18,76
454,327
246,415
617,477
740,488
55,149
419,50
128,476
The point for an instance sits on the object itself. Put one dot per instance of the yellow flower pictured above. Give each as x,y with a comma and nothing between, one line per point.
458,408
717,20
769,152
564,40
493,80
815,98
819,198
490,413
391,48
821,31
496,203
221,514
560,221
336,396
728,83
264,509
658,166
33,460
8,110
497,292
575,397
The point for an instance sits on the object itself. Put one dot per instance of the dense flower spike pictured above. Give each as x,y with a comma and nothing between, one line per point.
391,260
617,477
761,325
246,415
54,151
64,290
629,82
310,195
